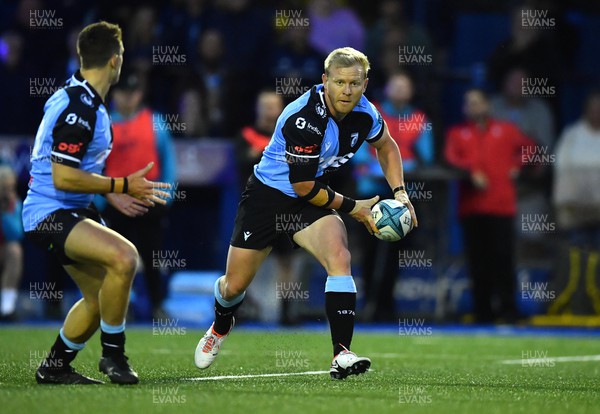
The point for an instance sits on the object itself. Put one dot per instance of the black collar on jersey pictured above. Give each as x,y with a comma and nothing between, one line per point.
319,97
96,98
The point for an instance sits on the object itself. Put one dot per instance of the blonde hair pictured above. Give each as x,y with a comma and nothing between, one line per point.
345,57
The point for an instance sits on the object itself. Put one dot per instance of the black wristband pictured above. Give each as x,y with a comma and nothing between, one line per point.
348,205
112,185
399,188
125,185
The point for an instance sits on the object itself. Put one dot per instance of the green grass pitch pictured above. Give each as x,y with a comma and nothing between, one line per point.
437,373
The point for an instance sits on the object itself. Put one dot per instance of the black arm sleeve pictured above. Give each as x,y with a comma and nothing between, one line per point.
72,133
303,147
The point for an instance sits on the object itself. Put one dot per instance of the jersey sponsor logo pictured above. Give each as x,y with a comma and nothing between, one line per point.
71,119
314,129
82,122
310,149
70,148
354,136
87,100
300,123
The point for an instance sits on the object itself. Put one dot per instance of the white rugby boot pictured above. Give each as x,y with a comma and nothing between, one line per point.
348,363
209,346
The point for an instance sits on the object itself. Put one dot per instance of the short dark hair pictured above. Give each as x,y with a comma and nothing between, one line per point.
97,43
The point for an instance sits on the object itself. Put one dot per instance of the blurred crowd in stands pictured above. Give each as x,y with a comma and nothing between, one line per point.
226,68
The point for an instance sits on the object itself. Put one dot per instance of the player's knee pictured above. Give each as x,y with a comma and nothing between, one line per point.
232,289
338,260
125,260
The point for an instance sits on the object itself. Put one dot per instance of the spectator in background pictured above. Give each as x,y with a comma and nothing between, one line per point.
141,37
576,200
333,26
11,235
193,113
250,143
535,119
490,151
247,37
531,114
252,139
141,136
393,30
295,58
14,82
412,131
183,22
213,78
530,48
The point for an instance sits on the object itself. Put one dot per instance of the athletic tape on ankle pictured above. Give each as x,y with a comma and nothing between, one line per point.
343,284
72,345
227,303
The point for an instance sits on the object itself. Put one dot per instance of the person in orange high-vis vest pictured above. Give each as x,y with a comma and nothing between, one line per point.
141,136
249,144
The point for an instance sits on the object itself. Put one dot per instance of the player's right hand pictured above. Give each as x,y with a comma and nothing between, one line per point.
362,213
143,189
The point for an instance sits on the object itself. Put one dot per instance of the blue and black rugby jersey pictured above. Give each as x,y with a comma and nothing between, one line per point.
308,142
74,131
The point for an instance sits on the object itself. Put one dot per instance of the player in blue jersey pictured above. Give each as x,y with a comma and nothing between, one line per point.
316,134
71,146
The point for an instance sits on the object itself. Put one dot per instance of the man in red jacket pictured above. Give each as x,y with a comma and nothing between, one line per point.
490,150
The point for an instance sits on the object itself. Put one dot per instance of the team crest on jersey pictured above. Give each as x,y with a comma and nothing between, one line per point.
87,100
320,110
354,136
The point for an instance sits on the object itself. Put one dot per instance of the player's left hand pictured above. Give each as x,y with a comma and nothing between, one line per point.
402,196
128,205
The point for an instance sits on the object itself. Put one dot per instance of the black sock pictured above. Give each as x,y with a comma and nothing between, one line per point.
112,344
223,317
340,308
60,356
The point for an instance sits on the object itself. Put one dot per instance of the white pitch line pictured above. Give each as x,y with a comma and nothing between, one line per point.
282,374
581,358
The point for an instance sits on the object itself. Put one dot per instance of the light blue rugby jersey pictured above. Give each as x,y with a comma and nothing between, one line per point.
309,143
74,131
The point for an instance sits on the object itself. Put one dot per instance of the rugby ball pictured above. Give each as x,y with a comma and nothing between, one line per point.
392,218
